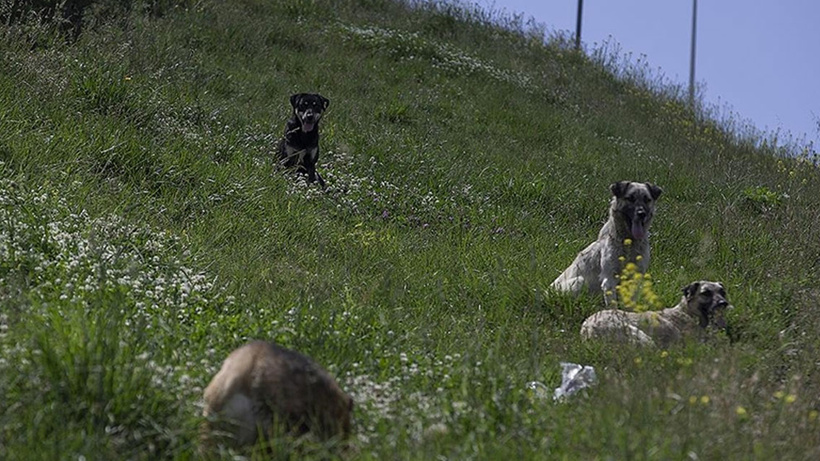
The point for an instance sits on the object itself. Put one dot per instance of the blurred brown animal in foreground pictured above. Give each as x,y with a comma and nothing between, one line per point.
262,386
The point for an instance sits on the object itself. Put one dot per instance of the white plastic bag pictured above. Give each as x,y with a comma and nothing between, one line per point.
574,377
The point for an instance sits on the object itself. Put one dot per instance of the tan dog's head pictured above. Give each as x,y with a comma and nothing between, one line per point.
707,302
634,202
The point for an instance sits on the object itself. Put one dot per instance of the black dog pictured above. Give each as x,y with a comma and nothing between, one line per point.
300,146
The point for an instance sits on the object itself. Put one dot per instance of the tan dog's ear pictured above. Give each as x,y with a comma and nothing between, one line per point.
619,188
691,290
654,190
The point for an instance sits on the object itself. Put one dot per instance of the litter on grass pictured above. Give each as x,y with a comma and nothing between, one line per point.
574,377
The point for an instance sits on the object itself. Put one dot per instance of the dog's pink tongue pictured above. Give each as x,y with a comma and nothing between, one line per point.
307,127
638,230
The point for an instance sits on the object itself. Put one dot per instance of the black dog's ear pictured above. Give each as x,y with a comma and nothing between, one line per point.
325,101
294,99
619,188
690,290
654,190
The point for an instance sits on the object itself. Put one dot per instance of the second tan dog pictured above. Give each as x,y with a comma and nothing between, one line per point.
703,305
262,386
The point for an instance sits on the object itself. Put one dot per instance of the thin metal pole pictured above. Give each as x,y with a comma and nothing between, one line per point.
578,25
692,54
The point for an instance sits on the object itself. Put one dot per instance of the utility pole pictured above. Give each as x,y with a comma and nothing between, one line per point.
692,54
578,25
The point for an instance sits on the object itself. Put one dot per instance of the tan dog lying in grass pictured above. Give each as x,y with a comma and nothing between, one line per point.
625,233
263,387
703,305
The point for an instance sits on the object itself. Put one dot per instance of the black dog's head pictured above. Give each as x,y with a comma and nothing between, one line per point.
635,201
308,108
707,302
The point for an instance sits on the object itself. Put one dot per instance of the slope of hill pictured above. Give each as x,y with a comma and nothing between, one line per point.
144,233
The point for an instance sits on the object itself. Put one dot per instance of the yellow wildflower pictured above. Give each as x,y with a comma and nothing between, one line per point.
635,289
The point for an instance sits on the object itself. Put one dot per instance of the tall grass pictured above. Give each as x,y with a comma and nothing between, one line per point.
144,233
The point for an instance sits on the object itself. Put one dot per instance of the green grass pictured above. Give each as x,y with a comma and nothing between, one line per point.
144,234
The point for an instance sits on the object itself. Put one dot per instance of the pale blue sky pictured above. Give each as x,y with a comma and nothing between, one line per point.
760,57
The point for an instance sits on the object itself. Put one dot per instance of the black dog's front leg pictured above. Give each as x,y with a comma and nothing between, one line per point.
311,172
314,175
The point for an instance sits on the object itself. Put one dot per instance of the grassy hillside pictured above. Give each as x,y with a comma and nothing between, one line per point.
144,233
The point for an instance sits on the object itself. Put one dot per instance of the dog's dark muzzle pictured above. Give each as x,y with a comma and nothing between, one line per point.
638,223
309,119
310,116
719,313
